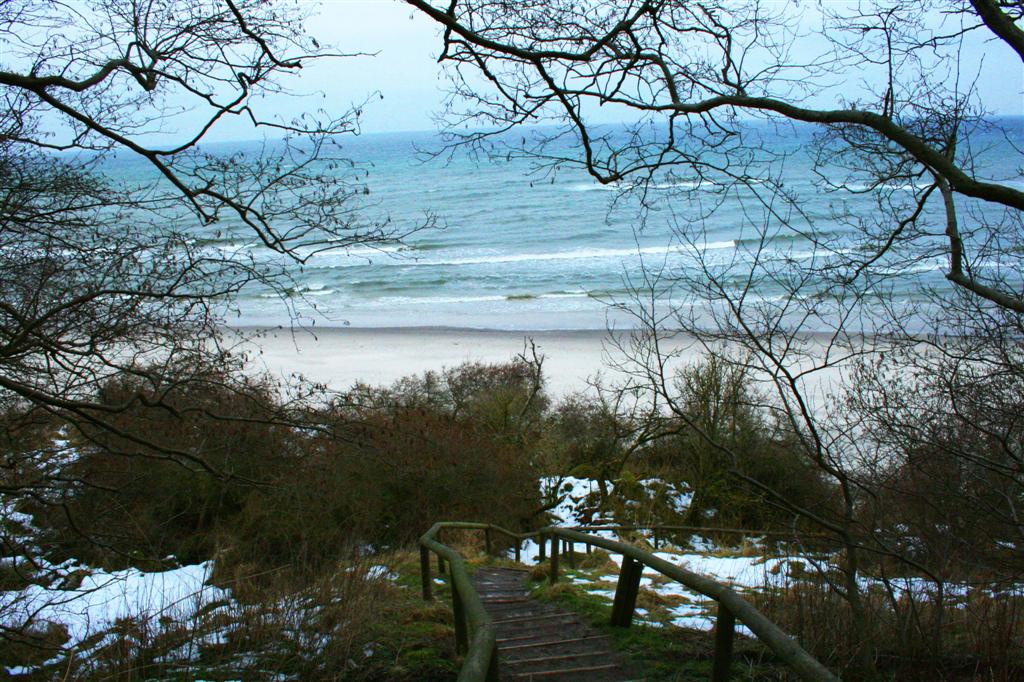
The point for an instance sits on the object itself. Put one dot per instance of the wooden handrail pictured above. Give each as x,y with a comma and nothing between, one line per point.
700,529
781,644
474,626
474,631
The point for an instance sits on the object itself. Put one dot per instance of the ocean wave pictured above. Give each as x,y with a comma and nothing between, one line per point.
784,239
435,300
684,184
926,265
870,187
695,183
553,294
362,251
594,187
235,247
229,244
573,255
673,184
481,298
304,291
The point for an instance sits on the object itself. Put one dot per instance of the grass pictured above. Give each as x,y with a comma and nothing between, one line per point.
413,639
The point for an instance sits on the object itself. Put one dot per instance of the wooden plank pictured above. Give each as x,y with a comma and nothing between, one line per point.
566,671
557,642
525,618
576,649
554,558
565,657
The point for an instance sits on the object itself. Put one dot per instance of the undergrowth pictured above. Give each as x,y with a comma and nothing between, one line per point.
356,626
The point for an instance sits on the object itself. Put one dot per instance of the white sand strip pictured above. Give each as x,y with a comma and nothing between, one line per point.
339,357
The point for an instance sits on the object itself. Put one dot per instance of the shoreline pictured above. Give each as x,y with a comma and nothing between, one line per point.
414,329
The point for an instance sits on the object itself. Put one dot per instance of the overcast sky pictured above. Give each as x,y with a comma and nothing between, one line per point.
406,73
405,69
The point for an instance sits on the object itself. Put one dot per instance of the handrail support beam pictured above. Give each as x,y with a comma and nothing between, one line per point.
426,581
626,592
725,628
554,557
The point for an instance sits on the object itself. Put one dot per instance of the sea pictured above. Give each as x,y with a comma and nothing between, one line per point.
503,240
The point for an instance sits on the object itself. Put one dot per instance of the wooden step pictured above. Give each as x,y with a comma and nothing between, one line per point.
557,642
584,672
538,640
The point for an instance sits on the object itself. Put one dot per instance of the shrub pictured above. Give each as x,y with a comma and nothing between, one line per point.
983,634
388,463
725,427
173,466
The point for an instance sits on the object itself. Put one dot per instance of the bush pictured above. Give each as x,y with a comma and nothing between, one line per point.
171,470
587,438
725,427
946,474
386,464
984,633
218,465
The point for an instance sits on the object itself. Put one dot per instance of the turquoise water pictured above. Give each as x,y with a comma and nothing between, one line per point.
521,248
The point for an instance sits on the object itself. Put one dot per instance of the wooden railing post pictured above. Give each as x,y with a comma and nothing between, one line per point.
461,634
542,542
626,592
487,542
554,557
440,564
492,668
725,626
425,579
519,557
572,554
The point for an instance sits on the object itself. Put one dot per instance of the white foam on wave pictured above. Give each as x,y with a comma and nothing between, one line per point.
674,184
357,252
927,265
883,187
565,294
575,254
437,300
511,298
594,187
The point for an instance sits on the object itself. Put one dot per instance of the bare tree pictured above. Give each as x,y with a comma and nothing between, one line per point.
875,102
103,274
110,214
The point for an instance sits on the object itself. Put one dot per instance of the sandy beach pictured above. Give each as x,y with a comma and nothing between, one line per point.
340,357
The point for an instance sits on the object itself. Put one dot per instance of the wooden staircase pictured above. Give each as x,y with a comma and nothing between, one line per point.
504,634
539,641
